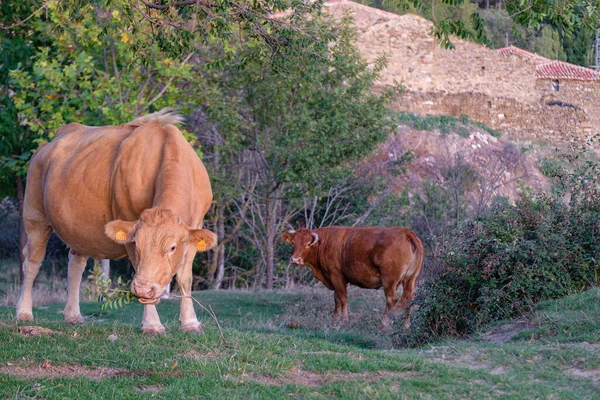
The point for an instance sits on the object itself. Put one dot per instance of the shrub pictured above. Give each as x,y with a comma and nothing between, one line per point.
445,124
502,263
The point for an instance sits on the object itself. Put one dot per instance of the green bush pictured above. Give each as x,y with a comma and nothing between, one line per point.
504,262
445,124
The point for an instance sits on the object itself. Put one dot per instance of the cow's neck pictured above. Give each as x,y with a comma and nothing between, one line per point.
317,257
174,188
329,253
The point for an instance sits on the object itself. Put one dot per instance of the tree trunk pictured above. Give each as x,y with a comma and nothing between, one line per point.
219,254
272,207
105,266
22,235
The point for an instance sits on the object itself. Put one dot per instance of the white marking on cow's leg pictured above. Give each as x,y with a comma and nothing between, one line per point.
72,313
151,321
187,314
34,251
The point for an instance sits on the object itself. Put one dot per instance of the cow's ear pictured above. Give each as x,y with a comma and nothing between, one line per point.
202,239
120,231
287,237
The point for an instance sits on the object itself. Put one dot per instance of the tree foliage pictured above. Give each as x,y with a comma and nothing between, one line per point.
562,30
283,104
91,73
290,125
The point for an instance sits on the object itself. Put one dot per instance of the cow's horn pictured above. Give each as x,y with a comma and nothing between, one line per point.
315,239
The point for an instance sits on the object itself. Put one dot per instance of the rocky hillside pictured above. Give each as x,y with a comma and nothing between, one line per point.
442,148
498,88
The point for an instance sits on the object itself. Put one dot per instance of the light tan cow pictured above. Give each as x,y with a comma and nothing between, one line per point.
136,190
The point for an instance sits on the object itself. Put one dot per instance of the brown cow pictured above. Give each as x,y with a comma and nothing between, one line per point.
368,257
136,190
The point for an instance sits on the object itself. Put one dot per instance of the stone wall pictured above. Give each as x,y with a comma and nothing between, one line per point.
558,123
498,89
581,94
416,60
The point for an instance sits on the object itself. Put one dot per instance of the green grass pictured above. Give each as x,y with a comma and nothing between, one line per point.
557,356
445,124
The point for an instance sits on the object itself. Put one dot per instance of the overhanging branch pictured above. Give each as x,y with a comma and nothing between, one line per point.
177,4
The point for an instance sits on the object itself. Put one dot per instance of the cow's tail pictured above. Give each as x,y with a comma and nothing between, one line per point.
418,253
163,117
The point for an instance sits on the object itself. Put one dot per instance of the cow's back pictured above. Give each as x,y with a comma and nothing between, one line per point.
369,253
89,176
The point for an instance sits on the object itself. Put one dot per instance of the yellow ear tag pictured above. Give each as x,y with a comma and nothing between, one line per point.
201,245
121,235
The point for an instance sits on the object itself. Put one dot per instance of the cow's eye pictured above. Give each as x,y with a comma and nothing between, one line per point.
172,249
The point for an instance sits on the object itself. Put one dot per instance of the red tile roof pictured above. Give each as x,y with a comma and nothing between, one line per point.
553,69
563,70
512,50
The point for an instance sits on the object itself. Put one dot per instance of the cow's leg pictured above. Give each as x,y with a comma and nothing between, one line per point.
390,288
151,321
337,311
340,296
187,314
408,292
75,271
35,250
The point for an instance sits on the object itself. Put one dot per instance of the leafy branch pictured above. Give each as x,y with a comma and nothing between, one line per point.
102,290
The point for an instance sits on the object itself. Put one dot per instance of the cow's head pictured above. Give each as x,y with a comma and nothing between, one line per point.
304,242
157,244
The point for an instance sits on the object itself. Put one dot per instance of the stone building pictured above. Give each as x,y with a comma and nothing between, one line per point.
510,89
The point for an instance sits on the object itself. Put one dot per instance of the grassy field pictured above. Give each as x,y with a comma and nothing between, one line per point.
282,344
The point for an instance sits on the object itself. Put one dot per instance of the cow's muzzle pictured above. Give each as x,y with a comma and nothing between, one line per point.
146,293
296,260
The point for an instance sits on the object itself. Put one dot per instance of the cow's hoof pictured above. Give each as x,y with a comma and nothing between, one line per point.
340,320
75,319
193,328
24,317
154,330
386,324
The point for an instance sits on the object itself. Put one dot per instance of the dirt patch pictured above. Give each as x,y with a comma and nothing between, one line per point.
593,374
149,389
301,377
34,331
46,369
473,359
498,371
503,333
333,353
